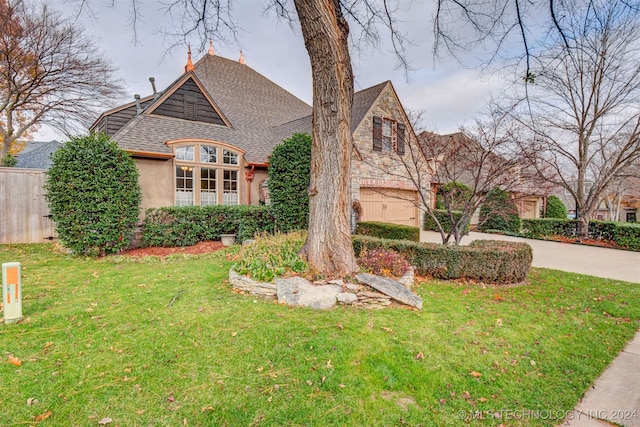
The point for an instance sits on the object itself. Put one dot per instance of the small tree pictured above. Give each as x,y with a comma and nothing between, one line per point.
289,167
499,212
93,195
555,208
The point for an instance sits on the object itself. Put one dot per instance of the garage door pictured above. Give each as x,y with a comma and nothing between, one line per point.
389,205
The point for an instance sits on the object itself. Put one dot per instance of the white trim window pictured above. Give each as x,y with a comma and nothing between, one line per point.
205,175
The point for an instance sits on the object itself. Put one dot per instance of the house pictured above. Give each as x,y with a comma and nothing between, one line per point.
460,158
37,154
206,139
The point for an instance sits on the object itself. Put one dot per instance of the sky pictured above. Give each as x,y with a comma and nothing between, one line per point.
448,93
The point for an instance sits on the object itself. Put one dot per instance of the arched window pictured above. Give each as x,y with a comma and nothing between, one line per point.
206,174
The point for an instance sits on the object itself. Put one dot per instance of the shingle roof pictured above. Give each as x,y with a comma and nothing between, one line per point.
362,101
37,154
246,97
261,113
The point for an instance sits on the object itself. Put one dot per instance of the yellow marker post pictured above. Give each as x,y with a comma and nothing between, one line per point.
11,292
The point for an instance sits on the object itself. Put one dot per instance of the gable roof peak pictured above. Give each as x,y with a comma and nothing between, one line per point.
189,66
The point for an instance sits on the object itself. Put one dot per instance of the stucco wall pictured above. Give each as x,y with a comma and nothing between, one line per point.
156,182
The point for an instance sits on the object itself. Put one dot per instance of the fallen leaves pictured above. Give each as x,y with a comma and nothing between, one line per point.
475,374
15,361
105,421
32,401
42,417
419,356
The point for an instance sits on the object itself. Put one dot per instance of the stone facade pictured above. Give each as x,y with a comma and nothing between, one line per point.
380,169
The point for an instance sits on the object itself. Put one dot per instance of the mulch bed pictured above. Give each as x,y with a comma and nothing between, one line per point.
199,248
590,242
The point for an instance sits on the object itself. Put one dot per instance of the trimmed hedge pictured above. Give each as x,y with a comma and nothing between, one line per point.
384,230
542,227
188,225
487,261
628,235
443,219
625,235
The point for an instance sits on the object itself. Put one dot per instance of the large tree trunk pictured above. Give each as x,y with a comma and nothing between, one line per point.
328,247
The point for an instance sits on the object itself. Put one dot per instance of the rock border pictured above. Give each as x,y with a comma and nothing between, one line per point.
322,295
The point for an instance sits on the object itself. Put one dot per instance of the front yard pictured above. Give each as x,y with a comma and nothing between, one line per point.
124,342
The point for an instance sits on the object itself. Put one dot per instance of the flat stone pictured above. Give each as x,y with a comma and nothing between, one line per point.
338,282
297,291
390,287
254,287
346,298
369,294
354,287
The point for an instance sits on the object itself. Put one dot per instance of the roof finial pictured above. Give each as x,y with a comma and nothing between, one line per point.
241,59
211,52
189,66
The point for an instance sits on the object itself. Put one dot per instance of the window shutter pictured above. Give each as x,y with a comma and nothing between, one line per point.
400,147
377,133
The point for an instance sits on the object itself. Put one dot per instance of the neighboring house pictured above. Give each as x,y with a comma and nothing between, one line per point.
460,158
37,154
206,139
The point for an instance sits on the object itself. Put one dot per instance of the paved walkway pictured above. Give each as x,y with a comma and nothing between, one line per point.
615,396
593,261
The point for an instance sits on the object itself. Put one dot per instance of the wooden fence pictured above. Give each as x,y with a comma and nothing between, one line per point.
24,214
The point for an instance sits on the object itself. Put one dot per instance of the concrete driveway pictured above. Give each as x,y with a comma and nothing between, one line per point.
593,261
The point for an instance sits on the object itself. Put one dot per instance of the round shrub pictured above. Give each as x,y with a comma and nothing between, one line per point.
289,172
499,213
93,195
555,208
455,194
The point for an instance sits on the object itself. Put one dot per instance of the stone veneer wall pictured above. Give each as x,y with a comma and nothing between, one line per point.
370,172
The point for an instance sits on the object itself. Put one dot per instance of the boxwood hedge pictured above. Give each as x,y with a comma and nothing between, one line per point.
388,231
188,225
486,261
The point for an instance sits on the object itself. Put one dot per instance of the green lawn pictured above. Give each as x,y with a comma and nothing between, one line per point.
99,341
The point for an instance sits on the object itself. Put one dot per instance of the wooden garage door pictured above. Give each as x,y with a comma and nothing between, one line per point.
389,205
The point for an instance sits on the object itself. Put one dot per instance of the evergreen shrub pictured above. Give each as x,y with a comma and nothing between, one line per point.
499,212
93,195
289,174
388,231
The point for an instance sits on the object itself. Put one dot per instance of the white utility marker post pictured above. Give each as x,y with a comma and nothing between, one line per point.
11,292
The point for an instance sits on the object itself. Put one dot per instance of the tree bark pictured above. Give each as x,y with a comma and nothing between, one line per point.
328,248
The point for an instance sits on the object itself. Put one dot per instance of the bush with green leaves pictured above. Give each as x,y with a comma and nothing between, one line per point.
487,261
627,235
445,222
454,194
272,256
188,225
93,195
289,172
388,231
555,208
499,213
